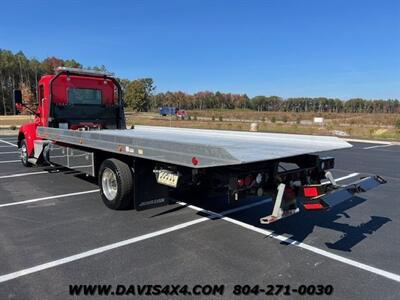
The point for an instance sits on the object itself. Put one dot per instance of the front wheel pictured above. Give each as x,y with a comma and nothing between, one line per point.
24,154
116,184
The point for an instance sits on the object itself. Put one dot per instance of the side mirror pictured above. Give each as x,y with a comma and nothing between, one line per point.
17,97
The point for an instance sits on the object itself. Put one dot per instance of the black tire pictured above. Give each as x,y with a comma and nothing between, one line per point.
123,198
24,154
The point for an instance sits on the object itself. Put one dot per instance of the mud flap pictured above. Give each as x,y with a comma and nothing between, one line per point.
147,192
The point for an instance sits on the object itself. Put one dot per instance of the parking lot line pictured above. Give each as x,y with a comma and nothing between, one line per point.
11,144
378,146
7,146
9,161
47,198
9,152
366,141
58,262
23,174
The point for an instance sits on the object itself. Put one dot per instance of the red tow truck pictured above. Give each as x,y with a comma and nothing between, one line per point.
80,124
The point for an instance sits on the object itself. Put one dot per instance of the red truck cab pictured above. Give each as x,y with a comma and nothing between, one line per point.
73,99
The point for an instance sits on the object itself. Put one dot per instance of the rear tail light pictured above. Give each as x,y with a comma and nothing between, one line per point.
246,181
310,191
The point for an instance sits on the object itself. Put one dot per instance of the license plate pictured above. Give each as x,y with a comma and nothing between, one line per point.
167,178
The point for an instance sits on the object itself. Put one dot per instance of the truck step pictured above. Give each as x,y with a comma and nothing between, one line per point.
32,160
38,146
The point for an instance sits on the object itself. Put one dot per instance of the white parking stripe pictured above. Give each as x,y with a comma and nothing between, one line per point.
366,141
7,146
8,143
47,198
9,152
378,146
23,174
9,161
58,262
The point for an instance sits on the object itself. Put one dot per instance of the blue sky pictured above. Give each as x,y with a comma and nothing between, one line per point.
333,48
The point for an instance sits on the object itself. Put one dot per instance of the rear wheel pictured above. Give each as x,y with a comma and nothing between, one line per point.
116,184
24,154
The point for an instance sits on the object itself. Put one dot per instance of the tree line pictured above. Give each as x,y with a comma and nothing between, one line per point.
19,72
210,100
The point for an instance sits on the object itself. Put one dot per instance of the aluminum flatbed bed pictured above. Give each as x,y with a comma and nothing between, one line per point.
210,147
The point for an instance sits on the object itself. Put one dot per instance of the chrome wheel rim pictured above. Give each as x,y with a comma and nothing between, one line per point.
24,155
109,184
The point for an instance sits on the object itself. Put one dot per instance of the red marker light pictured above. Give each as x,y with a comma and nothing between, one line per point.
247,180
310,192
194,161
